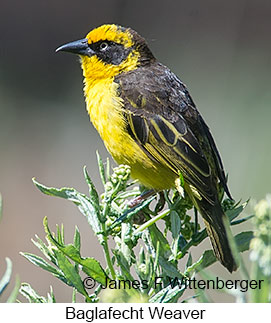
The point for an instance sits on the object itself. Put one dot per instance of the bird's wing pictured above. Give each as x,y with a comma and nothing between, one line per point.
162,119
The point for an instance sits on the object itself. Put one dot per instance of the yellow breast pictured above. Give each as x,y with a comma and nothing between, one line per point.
104,107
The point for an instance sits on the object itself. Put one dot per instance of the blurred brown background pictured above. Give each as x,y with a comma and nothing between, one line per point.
220,49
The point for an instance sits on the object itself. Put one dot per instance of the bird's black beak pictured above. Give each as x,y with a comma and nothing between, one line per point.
79,47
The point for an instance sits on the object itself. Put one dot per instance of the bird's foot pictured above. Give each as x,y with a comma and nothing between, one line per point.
139,199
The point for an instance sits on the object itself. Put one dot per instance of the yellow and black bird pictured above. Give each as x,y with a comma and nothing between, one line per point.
148,120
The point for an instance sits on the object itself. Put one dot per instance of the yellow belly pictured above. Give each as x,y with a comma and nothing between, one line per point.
104,108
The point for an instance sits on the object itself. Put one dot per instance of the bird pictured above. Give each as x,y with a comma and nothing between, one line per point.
147,119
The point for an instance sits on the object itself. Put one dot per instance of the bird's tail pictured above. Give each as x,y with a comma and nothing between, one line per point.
213,218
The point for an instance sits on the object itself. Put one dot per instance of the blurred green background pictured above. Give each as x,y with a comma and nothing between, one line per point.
220,49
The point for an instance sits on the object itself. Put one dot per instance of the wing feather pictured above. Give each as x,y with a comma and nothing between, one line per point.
162,119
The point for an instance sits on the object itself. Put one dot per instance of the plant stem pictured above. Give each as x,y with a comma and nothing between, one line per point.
107,254
151,221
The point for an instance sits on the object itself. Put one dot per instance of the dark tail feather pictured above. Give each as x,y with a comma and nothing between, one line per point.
213,219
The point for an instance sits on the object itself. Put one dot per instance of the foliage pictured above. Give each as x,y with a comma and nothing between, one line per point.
261,250
131,227
260,256
5,280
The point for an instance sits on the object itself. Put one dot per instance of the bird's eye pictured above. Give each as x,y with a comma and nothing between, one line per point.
103,46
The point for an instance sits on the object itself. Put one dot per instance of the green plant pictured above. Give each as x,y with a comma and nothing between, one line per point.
5,280
161,252
260,265
261,250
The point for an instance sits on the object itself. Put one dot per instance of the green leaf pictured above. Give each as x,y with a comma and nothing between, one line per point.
80,200
242,220
44,249
156,259
197,239
141,256
6,277
156,236
101,168
175,224
107,168
89,212
189,261
181,179
124,265
64,192
70,273
94,197
40,262
60,234
243,240
126,232
90,265
207,259
27,291
169,268
13,296
51,296
93,268
168,294
234,213
77,239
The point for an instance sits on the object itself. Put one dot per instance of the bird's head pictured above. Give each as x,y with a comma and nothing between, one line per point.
109,50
